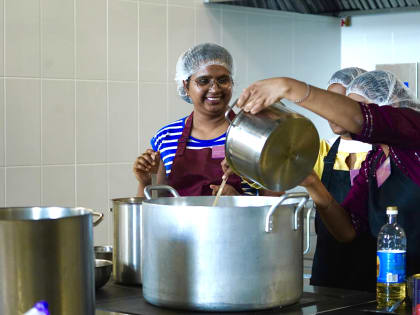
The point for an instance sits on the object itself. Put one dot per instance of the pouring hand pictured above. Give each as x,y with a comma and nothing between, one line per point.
145,165
228,190
262,94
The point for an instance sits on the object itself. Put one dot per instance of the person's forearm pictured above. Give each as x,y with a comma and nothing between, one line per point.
140,189
334,107
335,217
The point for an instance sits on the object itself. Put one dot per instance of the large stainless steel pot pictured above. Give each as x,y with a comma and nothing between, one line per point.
126,256
244,254
46,253
276,148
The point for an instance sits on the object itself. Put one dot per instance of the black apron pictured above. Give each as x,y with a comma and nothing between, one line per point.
336,264
398,190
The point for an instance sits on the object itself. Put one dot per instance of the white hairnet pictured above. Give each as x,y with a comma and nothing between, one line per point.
345,76
198,57
383,88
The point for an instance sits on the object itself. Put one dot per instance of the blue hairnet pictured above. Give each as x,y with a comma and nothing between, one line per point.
345,76
383,88
198,57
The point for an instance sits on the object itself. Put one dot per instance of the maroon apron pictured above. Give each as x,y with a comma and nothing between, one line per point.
193,171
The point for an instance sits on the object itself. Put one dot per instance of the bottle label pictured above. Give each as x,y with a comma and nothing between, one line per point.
391,266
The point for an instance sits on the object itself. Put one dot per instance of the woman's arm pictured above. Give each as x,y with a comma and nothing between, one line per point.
399,127
334,107
334,216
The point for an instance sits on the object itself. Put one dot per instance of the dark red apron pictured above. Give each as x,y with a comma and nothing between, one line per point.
193,171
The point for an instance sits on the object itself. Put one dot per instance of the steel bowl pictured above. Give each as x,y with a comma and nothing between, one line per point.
103,252
103,269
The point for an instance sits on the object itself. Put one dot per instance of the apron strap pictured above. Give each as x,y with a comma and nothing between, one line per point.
329,161
182,142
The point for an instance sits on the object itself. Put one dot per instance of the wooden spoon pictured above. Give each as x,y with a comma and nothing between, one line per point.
219,192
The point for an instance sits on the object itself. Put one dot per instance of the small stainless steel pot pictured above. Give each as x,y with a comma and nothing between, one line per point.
126,256
277,148
46,253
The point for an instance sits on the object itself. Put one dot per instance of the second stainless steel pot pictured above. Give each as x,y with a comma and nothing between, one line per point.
244,254
126,256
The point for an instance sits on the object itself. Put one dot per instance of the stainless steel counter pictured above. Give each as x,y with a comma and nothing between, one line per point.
117,299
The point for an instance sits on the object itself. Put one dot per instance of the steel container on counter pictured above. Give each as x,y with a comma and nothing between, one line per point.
126,256
243,254
46,253
277,148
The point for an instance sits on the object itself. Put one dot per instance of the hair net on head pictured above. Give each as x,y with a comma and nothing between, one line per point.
198,57
383,88
345,76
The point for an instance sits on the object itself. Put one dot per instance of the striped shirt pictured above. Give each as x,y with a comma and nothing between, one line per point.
166,142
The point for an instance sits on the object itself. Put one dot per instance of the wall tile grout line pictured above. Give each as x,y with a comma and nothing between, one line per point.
4,104
107,120
167,61
75,98
139,118
41,105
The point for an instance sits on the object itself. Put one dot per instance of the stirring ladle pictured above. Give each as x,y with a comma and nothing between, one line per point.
219,192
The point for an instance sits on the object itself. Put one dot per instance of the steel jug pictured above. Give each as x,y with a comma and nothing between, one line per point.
276,148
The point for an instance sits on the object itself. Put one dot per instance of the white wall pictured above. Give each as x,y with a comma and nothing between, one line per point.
378,39
86,83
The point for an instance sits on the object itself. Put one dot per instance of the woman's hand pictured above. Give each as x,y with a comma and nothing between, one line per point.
228,190
227,171
262,94
146,165
310,180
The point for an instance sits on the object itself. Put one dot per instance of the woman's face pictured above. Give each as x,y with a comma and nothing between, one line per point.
210,89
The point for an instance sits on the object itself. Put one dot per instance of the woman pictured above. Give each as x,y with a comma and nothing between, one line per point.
391,173
186,154
338,162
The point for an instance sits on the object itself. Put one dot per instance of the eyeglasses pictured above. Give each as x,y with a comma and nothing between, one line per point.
222,82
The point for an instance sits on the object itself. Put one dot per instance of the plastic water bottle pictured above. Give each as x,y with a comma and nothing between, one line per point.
40,308
391,250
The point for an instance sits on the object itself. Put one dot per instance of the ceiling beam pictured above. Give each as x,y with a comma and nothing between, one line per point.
377,11
213,1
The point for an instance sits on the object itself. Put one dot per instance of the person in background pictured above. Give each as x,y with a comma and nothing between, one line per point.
338,162
380,110
186,154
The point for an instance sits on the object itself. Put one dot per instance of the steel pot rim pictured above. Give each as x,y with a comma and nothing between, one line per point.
128,200
18,213
161,201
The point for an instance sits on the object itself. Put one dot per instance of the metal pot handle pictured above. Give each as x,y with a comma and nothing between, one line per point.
269,217
99,219
308,230
228,112
148,190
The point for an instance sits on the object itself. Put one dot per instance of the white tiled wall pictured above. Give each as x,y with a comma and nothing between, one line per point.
85,84
378,39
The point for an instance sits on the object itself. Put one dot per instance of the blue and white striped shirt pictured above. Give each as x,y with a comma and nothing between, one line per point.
166,142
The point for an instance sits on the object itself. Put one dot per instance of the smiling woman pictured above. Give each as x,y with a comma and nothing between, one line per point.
187,153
